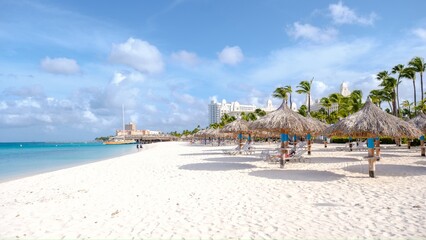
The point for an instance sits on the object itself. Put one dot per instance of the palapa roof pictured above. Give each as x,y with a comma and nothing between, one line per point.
317,124
371,121
284,120
238,126
419,121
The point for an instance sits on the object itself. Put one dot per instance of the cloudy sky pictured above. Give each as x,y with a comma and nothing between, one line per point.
67,67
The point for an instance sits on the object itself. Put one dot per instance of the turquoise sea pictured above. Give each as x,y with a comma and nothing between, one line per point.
20,159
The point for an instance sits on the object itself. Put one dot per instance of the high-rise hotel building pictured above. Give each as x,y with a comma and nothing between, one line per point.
217,110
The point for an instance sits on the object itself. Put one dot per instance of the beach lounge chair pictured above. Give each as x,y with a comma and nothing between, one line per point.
247,149
270,156
298,156
232,151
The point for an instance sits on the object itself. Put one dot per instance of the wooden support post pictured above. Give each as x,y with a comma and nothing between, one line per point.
309,138
309,147
371,162
282,155
377,147
409,143
422,147
325,143
350,146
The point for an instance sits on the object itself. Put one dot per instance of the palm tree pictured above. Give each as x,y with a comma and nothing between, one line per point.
305,87
410,73
389,86
225,119
248,116
398,69
418,64
280,93
376,96
288,91
407,108
336,98
325,102
356,100
303,110
259,112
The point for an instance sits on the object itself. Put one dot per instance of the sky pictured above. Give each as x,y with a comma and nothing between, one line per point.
67,67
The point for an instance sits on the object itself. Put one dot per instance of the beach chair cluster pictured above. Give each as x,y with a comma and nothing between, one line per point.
247,148
362,146
273,156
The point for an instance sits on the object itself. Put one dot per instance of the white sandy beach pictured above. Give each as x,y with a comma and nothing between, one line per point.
174,191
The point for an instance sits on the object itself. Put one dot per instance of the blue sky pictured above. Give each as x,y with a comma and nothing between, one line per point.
66,67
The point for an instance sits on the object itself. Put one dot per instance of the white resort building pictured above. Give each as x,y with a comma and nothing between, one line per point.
217,110
316,105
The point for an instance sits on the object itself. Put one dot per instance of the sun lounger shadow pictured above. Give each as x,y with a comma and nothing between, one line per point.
219,166
332,159
389,170
420,162
298,175
232,159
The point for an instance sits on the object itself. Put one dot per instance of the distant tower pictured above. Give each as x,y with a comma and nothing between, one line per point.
294,106
344,89
269,106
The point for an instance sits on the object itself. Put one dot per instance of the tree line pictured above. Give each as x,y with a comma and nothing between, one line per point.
389,82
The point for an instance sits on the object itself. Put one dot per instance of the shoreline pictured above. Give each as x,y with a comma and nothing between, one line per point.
38,171
175,190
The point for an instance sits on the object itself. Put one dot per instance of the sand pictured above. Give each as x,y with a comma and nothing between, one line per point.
177,190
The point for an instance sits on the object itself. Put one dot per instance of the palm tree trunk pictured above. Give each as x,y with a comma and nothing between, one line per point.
291,104
394,102
415,99
421,83
309,103
397,98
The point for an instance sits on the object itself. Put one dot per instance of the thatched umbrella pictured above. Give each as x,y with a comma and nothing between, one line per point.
284,121
420,122
371,122
318,126
239,126
202,133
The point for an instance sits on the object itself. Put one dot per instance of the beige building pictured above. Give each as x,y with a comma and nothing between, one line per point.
131,130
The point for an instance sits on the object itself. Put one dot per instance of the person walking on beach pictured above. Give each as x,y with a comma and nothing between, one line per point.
137,146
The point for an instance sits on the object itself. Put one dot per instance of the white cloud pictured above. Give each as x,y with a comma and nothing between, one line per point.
150,108
60,65
139,55
342,14
28,102
231,55
319,87
420,32
185,57
118,78
3,105
130,77
312,33
89,116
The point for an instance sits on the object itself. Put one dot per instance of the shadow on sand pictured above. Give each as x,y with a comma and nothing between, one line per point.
298,175
382,154
332,159
234,159
420,162
219,166
389,170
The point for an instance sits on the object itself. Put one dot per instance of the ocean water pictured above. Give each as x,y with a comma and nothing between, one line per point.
21,159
